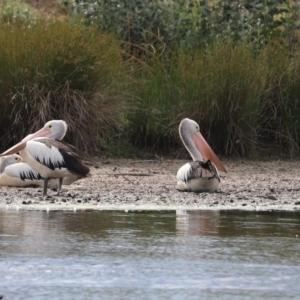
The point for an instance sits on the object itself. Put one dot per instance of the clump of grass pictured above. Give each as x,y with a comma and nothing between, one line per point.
279,124
60,71
220,88
224,87
149,121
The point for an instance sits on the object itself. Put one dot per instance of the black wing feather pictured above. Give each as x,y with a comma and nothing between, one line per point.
71,160
31,175
200,169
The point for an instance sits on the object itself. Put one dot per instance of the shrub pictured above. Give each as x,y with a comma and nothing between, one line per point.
147,28
60,71
152,27
16,12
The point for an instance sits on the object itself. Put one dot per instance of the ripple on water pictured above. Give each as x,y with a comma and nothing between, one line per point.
149,255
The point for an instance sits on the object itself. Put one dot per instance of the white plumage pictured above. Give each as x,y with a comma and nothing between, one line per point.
42,152
49,157
47,160
14,172
200,175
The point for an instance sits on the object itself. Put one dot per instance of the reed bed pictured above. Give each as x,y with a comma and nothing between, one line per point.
246,103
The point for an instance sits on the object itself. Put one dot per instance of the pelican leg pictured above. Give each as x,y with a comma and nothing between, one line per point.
45,186
59,185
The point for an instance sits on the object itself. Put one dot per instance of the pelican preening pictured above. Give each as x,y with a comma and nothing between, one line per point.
200,175
48,156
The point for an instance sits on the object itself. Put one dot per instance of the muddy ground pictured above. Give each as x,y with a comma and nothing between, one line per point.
150,184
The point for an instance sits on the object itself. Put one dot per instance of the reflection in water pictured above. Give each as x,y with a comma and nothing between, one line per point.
149,255
30,231
197,222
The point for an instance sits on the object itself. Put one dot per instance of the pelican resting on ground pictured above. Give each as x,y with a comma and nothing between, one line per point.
15,172
200,175
48,156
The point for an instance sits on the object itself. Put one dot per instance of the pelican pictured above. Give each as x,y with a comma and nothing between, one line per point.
15,172
48,156
200,175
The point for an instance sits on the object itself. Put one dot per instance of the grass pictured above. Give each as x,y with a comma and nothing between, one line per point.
219,88
280,116
60,71
244,101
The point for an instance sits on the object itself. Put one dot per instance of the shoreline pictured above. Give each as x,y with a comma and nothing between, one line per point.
132,208
129,184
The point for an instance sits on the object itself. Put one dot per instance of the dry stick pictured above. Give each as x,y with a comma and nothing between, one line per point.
125,174
130,174
128,180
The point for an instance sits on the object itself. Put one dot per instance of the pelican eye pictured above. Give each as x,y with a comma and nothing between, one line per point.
50,126
16,158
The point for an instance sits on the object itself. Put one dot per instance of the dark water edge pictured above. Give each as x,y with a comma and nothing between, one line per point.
149,254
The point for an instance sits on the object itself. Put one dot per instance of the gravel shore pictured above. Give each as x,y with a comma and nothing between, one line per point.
150,184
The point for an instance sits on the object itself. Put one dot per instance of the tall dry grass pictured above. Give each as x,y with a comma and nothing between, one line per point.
60,71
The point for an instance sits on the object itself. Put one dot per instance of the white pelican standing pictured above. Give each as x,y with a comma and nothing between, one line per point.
48,156
14,172
200,175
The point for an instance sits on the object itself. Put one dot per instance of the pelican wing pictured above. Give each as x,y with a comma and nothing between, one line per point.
44,151
199,169
22,171
56,155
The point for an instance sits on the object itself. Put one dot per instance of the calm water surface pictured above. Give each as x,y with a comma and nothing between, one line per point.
149,255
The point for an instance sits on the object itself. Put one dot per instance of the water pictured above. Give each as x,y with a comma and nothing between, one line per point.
149,255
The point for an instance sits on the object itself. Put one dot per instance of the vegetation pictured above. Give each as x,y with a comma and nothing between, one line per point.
126,73
60,71
15,12
153,27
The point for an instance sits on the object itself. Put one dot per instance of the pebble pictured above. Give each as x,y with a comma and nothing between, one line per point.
246,183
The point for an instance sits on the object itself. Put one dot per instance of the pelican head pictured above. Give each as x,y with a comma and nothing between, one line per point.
188,126
55,129
9,160
190,134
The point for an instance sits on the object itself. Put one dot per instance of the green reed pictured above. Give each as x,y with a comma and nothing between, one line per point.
279,122
220,88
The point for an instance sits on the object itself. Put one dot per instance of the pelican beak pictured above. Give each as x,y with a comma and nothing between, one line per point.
44,132
15,149
206,151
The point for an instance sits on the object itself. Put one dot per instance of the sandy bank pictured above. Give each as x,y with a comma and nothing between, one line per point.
249,185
